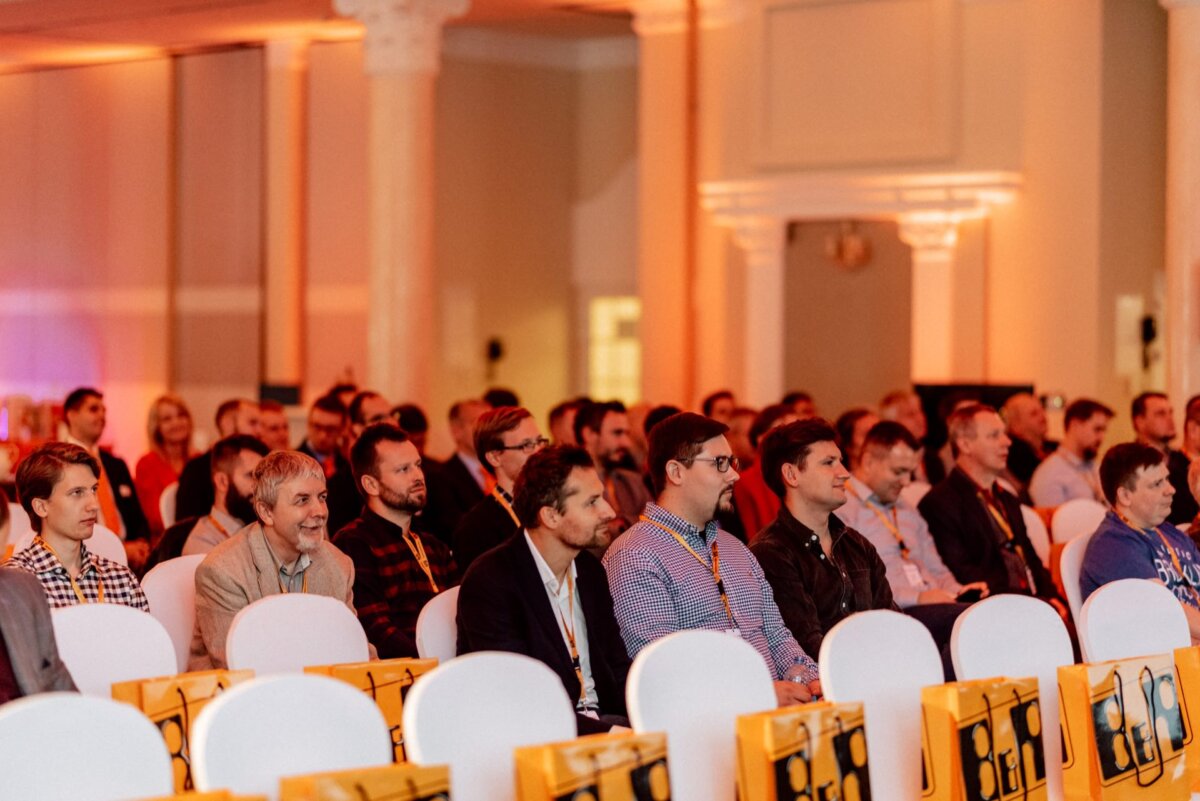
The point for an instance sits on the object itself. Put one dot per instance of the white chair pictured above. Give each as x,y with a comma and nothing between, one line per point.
1131,617
103,542
693,685
170,587
166,504
65,745
1076,518
105,643
289,632
471,712
1069,565
883,659
1039,537
1015,635
19,527
437,628
266,728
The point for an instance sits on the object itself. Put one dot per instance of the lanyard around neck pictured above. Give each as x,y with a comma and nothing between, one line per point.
1171,550
288,588
892,525
716,564
498,494
74,585
569,630
418,551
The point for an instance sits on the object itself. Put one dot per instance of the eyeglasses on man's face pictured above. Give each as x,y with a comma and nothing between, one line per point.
722,463
527,446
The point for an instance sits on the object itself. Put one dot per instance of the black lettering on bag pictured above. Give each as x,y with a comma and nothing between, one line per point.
850,751
1026,719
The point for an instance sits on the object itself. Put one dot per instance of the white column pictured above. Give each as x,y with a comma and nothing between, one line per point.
1183,198
285,100
762,241
403,47
932,239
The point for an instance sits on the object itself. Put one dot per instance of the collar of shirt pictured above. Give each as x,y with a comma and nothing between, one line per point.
286,572
553,586
805,536
862,493
1075,461
43,561
94,450
703,536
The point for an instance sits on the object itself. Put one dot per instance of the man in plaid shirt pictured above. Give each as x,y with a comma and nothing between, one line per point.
58,487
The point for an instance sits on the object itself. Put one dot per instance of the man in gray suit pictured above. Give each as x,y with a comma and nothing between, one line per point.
29,661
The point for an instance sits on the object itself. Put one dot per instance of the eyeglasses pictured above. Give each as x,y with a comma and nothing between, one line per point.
528,446
722,463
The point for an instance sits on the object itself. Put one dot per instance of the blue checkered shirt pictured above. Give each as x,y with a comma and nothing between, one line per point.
120,585
659,588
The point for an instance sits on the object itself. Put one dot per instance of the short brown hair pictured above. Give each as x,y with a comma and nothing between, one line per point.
491,428
41,470
1121,465
543,479
790,444
679,438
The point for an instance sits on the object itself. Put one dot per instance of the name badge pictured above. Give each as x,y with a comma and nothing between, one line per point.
913,574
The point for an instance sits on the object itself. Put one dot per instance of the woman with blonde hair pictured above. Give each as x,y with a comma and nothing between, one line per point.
169,428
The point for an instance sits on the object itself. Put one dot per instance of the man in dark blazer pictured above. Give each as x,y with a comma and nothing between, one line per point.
29,661
460,482
542,595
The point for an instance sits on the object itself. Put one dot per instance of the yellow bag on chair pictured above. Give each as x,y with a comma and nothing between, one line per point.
387,681
214,795
1127,731
985,741
405,782
172,703
813,751
599,767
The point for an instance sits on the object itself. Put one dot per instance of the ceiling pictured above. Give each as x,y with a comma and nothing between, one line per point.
55,33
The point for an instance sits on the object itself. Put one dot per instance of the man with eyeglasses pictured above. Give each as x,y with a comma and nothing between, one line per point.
676,570
505,438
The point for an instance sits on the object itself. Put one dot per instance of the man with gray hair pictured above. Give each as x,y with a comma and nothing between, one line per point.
287,550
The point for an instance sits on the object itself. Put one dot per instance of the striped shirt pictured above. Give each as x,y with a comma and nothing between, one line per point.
120,585
659,588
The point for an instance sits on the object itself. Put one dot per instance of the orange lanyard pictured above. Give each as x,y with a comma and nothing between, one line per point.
1004,525
217,525
1174,556
892,525
74,586
418,552
500,499
569,630
287,589
716,564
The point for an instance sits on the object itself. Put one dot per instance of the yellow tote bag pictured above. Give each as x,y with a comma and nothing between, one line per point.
173,702
215,795
404,782
387,681
984,741
1127,731
598,767
813,751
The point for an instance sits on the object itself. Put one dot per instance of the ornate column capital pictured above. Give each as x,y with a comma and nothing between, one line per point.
403,36
760,238
652,17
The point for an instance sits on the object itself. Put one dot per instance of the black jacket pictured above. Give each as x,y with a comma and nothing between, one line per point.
484,527
452,493
128,506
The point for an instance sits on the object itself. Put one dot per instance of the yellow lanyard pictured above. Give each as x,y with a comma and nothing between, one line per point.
716,564
74,586
1004,525
418,552
217,525
892,525
1170,550
569,629
287,589
500,499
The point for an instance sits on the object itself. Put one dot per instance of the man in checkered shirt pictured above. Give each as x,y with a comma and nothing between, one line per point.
675,569
58,486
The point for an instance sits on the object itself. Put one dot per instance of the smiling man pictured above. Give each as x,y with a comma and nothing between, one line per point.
285,551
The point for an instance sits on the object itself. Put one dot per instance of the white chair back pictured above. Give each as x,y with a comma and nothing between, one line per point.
269,727
471,712
1131,617
693,685
1039,537
289,632
166,504
19,528
103,542
437,628
64,745
1076,518
1015,635
1070,563
170,587
105,643
883,659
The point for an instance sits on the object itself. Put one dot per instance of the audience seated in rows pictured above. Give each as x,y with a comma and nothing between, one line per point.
1027,426
602,429
1070,472
1154,423
233,460
273,427
195,494
169,429
562,421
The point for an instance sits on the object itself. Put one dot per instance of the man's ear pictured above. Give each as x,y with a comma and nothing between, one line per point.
370,484
264,513
674,471
549,517
1124,496
220,482
790,474
41,507
493,458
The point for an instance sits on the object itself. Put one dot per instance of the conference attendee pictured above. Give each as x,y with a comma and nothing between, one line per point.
327,423
904,407
1154,424
397,571
562,421
29,660
58,486
1191,428
739,436
1135,539
234,460
1027,428
851,428
273,427
602,429
412,419
676,570
801,403
169,429
505,438
460,482
286,550
543,595
756,505
195,495
719,406
365,408
1070,472
85,415
501,396
977,523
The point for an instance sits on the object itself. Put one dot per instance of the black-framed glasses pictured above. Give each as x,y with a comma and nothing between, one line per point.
527,446
722,463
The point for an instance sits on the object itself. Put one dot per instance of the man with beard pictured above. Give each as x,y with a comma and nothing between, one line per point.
286,551
233,461
398,571
603,431
1070,472
543,595
676,570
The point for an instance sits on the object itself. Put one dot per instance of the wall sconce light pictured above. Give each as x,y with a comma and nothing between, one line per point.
848,248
